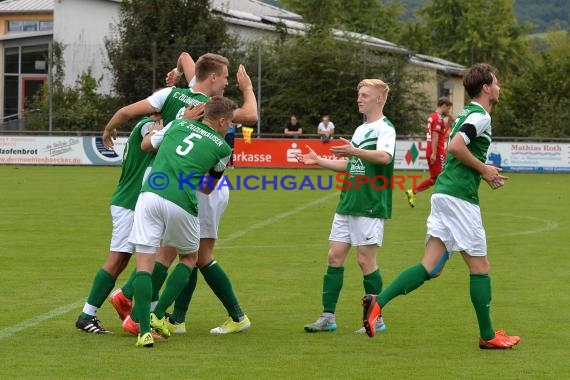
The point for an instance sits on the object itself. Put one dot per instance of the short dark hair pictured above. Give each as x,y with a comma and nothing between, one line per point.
477,76
444,101
218,107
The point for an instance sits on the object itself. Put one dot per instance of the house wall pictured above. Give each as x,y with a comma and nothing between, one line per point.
431,85
82,26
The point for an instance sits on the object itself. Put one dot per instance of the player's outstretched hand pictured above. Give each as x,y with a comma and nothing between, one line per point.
310,158
108,137
344,150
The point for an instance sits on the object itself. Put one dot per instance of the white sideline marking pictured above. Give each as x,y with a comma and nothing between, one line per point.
9,331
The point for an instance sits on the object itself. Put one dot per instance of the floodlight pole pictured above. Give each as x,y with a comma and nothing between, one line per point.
50,87
258,91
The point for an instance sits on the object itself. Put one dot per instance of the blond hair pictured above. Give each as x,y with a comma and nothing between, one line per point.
375,83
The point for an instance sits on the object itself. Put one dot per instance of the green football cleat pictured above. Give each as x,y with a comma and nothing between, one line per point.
411,197
230,326
176,328
159,325
146,340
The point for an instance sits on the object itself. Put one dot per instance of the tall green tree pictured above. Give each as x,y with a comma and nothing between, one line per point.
150,36
536,102
372,17
478,31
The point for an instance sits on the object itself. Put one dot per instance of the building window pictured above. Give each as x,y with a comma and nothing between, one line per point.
46,26
15,26
21,26
30,26
10,95
11,60
34,59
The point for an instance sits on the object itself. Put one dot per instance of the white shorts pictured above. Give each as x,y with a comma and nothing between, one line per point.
122,226
210,210
157,219
458,224
357,230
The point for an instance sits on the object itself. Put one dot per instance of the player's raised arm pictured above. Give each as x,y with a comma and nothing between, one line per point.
247,113
185,65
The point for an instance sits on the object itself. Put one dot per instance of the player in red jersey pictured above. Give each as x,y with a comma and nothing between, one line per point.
435,152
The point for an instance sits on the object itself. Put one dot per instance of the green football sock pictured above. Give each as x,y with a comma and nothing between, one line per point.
332,284
102,286
372,282
221,285
480,289
407,281
183,300
159,274
174,285
142,287
127,288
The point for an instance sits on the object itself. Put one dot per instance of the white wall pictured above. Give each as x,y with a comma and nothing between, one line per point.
82,25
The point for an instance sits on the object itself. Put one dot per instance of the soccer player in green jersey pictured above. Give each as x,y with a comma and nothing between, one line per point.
454,224
123,201
167,209
362,209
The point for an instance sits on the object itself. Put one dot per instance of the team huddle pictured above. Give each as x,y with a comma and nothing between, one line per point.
158,217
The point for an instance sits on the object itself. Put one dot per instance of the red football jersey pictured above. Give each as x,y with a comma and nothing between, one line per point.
436,124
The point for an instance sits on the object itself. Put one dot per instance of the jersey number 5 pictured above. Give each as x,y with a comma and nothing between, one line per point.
183,151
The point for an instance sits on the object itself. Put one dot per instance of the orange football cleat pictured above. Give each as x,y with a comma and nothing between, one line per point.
499,342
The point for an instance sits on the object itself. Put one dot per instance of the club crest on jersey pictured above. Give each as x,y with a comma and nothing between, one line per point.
356,166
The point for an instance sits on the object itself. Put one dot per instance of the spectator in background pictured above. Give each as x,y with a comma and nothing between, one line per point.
325,129
293,127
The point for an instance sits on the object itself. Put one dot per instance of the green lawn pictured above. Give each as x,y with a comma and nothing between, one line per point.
55,229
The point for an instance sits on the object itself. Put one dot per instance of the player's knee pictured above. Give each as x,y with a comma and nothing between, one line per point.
436,271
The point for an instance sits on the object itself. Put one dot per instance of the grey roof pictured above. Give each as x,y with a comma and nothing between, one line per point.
243,15
254,7
26,6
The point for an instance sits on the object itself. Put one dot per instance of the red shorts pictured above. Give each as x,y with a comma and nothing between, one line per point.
435,168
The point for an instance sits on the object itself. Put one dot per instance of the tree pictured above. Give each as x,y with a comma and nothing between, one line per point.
536,102
150,36
474,31
371,17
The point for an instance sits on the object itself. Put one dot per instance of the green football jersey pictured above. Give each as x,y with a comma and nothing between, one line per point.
135,162
188,151
373,200
457,179
172,102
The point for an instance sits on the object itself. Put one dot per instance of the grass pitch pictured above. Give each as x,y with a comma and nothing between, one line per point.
55,230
